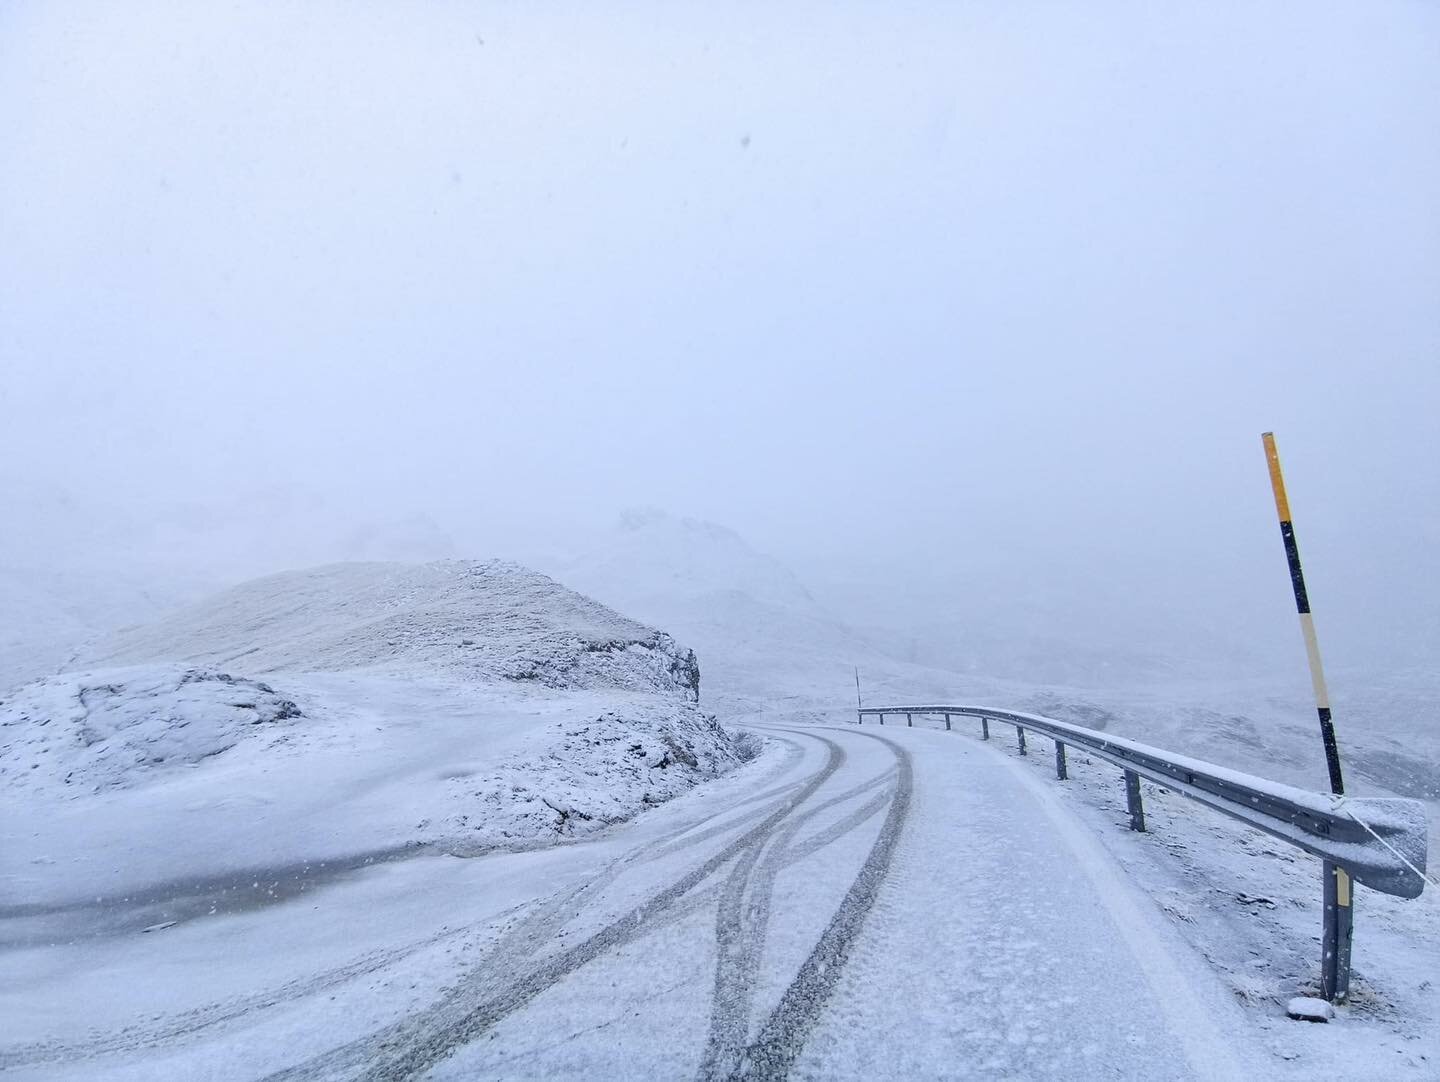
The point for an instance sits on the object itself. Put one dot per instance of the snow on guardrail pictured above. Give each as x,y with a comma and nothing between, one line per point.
1380,841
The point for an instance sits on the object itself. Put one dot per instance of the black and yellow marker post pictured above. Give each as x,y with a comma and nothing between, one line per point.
1339,914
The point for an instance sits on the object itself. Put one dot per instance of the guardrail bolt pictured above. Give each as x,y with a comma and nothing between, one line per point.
1132,800
1060,771
1020,735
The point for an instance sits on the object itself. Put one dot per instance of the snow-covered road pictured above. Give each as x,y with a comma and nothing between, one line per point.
855,903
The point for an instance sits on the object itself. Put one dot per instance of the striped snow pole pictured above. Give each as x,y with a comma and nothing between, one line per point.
1339,913
1307,622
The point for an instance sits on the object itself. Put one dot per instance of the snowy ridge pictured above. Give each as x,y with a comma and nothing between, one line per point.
686,557
489,620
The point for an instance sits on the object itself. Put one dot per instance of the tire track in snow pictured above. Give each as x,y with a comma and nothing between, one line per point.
509,950
782,1038
417,1042
741,925
196,1021
538,927
710,894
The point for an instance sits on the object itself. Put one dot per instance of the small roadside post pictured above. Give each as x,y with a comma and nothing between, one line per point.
1339,910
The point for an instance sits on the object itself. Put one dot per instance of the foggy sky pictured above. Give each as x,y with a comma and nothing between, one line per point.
986,292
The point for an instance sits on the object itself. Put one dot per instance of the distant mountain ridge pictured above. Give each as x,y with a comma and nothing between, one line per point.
757,628
661,555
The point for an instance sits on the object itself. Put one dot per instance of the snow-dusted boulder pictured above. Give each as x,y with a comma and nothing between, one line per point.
119,728
594,773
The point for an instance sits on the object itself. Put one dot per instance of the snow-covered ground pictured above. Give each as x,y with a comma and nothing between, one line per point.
788,918
866,904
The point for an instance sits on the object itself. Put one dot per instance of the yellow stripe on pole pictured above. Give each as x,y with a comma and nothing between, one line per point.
1277,480
1312,654
1342,887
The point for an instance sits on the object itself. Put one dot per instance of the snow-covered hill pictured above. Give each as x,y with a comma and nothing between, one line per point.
344,709
477,620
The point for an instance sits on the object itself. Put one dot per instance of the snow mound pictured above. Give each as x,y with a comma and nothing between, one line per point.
1309,1009
490,620
120,728
594,774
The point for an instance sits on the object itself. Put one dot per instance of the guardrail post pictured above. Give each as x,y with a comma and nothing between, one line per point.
1060,771
1132,800
910,720
860,716
1338,930
1020,736
947,723
984,728
882,719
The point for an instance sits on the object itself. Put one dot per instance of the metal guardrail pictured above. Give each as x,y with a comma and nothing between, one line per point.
1379,841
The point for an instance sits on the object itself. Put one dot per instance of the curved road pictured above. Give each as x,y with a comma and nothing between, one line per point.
865,903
